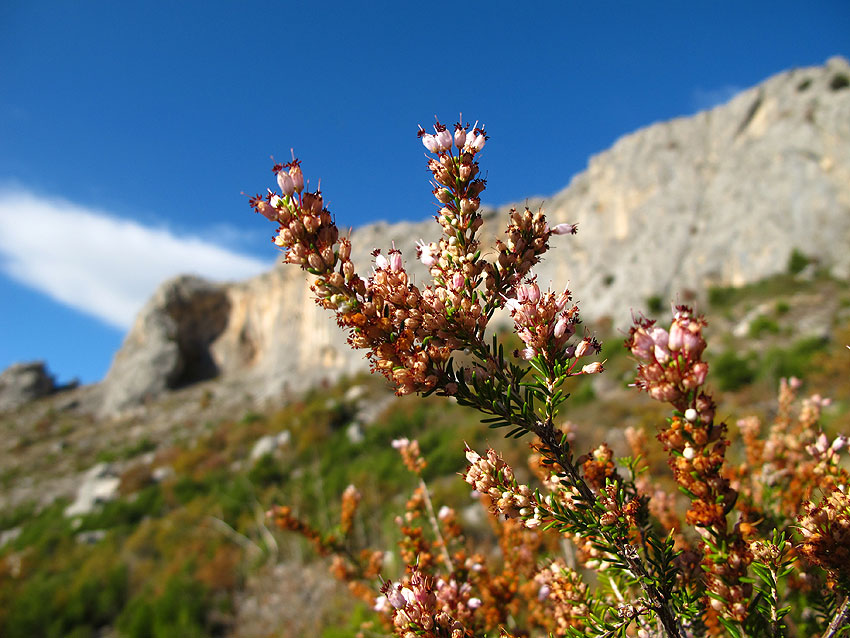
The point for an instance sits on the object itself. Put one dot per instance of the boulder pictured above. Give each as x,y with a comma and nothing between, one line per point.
169,344
21,383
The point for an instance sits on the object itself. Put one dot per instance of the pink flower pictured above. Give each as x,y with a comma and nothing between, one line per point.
564,229
592,368
426,253
430,142
560,327
287,185
460,136
444,140
477,140
297,178
381,262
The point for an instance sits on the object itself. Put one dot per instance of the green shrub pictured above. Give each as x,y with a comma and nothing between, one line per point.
179,611
761,325
732,371
793,361
797,262
655,304
267,471
721,295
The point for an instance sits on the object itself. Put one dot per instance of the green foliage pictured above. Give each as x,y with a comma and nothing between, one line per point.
67,602
797,262
793,361
721,296
732,371
178,611
142,446
267,471
655,304
762,325
46,531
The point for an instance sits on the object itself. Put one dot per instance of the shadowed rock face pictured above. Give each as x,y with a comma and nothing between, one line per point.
169,344
720,198
21,383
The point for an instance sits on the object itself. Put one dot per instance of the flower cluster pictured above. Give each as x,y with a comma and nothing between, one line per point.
491,477
545,324
825,528
671,370
671,367
564,596
416,611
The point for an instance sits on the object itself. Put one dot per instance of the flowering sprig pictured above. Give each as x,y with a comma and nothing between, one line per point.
656,577
671,370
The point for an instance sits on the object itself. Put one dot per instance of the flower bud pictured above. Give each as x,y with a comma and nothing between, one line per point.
395,261
457,281
315,262
467,171
592,368
381,262
311,224
677,334
443,195
564,229
460,136
477,142
584,348
560,327
469,205
430,142
266,210
284,181
444,140
297,178
344,250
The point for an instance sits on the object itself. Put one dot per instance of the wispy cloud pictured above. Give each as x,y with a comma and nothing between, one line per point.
97,263
704,99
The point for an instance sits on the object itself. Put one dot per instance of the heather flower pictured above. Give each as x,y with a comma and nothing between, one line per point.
825,530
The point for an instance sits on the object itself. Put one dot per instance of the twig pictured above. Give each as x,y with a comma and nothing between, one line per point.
435,526
840,620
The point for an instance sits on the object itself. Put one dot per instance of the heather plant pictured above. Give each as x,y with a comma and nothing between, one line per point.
594,546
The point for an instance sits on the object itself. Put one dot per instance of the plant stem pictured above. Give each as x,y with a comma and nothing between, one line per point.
840,620
629,554
435,526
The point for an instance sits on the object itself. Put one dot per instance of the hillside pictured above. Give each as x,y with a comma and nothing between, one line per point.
177,529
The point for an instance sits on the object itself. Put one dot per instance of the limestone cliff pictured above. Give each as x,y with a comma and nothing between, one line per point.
719,198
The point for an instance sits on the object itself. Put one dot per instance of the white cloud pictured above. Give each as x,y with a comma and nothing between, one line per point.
99,264
704,99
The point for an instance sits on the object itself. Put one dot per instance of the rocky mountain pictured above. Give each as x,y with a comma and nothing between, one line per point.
721,198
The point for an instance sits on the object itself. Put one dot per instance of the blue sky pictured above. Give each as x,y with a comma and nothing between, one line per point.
129,130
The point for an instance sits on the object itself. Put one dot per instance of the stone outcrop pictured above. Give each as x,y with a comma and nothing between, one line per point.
720,198
169,343
21,383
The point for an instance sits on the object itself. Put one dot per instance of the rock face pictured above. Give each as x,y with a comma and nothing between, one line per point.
21,383
720,198
169,344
